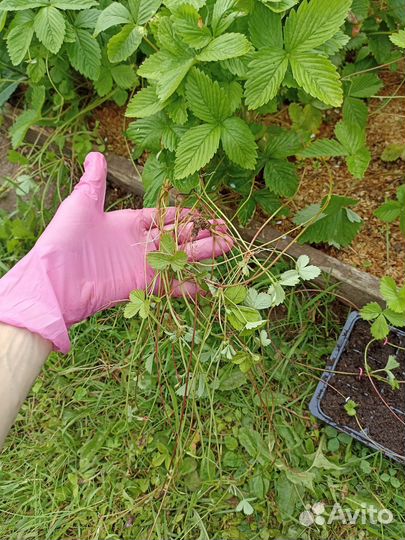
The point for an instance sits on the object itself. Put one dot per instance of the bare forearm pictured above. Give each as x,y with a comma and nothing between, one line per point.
22,355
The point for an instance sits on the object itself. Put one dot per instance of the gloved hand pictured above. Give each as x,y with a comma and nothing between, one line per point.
87,260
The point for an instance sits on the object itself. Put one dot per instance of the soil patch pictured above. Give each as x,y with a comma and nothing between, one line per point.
383,423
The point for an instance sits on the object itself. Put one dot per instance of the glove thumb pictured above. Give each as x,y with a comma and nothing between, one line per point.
93,182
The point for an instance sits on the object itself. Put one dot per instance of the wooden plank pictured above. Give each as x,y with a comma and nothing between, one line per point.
354,286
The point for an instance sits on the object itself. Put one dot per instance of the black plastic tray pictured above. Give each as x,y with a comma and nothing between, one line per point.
316,401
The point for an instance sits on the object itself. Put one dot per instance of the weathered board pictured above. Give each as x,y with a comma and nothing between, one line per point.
353,286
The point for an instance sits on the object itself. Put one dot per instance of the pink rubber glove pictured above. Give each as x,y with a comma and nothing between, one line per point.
87,259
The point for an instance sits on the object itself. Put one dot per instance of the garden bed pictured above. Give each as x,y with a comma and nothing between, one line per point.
377,418
378,249
355,287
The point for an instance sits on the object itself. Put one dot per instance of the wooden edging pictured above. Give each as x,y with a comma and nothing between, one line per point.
353,286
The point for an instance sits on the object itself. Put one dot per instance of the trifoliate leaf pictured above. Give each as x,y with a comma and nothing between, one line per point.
125,43
112,15
281,177
49,25
351,136
265,74
179,261
314,23
370,311
238,142
138,304
305,270
333,226
393,295
196,148
230,45
258,300
317,76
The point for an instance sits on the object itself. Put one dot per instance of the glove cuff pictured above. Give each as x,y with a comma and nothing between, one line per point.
28,300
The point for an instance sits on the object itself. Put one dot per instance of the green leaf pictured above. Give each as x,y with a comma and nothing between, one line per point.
281,177
196,148
143,10
394,296
265,74
317,76
208,101
85,54
21,125
124,76
334,44
370,311
397,319
351,136
240,317
254,444
238,142
49,26
74,4
389,211
358,163
223,15
265,28
258,300
112,15
189,25
279,6
235,294
334,226
282,143
18,41
87,19
305,270
398,39
173,72
314,23
355,111
138,304
144,103
380,328
365,85
394,151
125,43
18,5
323,148
153,176
230,45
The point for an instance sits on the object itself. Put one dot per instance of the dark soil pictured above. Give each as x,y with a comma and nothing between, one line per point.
199,224
383,423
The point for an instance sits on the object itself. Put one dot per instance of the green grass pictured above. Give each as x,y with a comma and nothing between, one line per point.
107,446
91,454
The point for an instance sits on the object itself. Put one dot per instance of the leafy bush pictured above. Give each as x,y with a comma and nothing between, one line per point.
216,77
